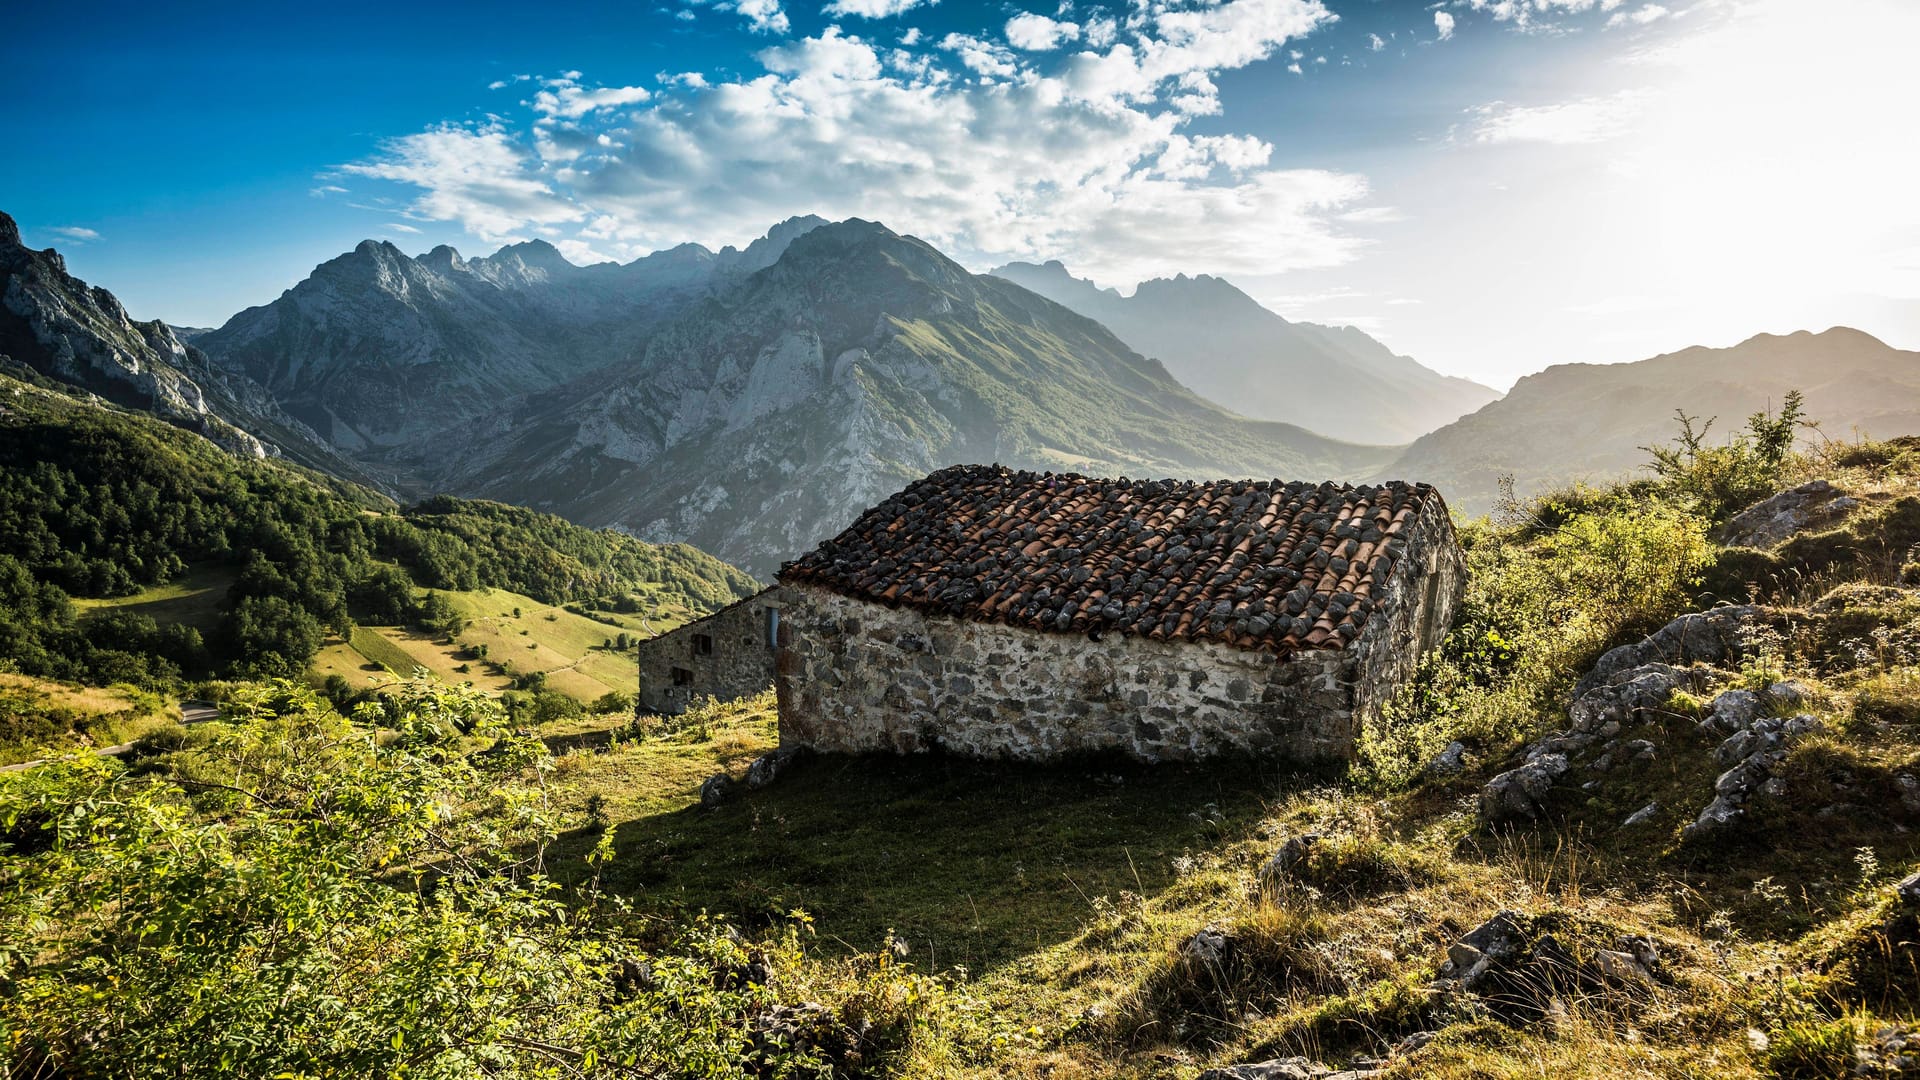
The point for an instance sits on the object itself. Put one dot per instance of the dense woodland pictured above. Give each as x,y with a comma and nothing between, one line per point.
95,502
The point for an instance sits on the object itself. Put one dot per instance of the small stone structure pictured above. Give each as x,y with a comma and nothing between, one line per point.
1032,616
729,654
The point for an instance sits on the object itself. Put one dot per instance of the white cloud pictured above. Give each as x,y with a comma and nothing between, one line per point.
763,16
1374,42
1037,33
325,190
1082,154
1645,14
398,227
475,175
873,9
564,98
77,233
980,57
1443,23
911,37
1584,120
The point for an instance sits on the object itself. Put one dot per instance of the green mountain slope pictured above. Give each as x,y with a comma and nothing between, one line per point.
770,415
99,502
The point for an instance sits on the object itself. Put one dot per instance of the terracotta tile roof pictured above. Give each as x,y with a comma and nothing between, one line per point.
1254,564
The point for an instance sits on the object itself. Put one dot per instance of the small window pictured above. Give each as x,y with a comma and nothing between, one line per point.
702,645
682,677
773,627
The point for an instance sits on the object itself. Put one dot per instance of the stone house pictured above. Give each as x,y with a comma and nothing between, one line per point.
1022,615
727,655
1035,616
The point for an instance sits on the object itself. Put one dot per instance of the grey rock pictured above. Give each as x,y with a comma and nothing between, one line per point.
1909,787
1769,522
1789,693
1282,862
1449,762
1416,1041
716,789
1520,793
1712,637
1208,949
1909,890
1292,1068
767,768
1620,698
1719,814
1732,711
1643,815
1500,938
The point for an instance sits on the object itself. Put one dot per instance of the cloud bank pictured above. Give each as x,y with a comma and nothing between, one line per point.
1052,137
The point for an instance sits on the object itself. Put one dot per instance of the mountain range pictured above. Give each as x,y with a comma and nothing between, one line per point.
750,401
375,348
1228,348
60,327
772,412
1590,421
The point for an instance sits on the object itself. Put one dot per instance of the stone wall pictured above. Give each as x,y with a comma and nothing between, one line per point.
857,677
726,655
1418,607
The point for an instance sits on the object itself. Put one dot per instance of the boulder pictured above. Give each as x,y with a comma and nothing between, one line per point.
767,767
1624,694
1520,794
1643,815
1449,762
1769,522
1713,636
716,789
1208,949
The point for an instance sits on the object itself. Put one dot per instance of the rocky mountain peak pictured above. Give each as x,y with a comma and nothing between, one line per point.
767,250
444,259
9,232
536,253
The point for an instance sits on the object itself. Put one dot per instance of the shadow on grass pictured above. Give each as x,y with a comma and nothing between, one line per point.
972,863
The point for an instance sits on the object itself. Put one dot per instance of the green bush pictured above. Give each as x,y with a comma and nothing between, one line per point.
291,896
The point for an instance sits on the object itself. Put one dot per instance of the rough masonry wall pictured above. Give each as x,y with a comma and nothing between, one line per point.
1420,600
735,661
858,677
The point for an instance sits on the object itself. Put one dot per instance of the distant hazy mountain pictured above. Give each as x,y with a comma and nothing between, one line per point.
376,348
1218,340
61,327
773,411
1581,421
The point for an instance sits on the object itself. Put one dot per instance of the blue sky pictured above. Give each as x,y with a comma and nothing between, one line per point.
1488,185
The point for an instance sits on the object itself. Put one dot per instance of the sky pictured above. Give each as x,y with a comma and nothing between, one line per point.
1490,186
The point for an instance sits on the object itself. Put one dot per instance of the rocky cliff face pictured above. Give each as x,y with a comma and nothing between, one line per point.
1591,421
769,415
65,329
377,349
1222,343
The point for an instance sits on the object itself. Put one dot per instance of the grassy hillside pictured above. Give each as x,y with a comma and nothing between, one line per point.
40,716
186,561
1099,920
507,636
